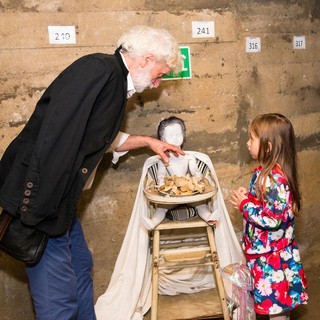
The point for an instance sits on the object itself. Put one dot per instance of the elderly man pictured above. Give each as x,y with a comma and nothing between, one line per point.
44,170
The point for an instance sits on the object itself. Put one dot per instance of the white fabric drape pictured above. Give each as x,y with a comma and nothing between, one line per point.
128,296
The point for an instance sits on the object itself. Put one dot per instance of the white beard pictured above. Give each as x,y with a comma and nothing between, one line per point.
142,80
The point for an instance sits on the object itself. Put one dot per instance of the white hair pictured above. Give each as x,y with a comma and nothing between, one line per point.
142,40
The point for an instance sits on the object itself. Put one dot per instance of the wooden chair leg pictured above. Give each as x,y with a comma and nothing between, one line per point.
217,274
155,274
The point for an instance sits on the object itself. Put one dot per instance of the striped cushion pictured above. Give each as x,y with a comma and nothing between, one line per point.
181,212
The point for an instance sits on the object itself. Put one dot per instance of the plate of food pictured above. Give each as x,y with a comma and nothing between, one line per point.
181,186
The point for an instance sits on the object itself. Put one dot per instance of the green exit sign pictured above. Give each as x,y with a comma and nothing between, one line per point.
186,70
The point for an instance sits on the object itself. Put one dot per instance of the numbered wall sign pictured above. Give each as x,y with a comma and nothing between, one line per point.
62,34
253,44
203,29
299,42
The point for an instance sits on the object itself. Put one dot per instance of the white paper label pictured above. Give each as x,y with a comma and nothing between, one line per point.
203,29
62,34
299,42
253,44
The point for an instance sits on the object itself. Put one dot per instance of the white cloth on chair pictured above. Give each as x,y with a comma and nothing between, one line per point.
128,296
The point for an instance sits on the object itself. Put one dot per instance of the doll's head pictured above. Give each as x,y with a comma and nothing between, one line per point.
172,130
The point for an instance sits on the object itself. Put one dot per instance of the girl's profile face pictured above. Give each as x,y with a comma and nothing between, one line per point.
253,145
173,134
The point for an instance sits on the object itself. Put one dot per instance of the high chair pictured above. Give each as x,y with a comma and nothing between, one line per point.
183,244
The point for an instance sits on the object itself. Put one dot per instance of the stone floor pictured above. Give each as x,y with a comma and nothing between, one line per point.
201,305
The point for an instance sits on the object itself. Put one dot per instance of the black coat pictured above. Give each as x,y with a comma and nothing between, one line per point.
44,170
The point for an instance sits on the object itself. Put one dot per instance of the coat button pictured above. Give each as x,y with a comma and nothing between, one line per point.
26,200
24,208
27,193
29,184
84,170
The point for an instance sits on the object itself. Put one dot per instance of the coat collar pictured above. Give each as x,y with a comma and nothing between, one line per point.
125,71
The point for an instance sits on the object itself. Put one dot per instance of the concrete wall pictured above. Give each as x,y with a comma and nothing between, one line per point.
228,88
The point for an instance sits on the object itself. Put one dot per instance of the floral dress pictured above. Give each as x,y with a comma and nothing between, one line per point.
270,248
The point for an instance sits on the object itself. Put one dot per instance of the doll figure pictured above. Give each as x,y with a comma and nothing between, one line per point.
172,130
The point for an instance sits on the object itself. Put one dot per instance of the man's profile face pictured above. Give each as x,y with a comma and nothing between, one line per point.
150,76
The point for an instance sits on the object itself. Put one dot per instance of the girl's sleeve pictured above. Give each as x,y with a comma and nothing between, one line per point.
267,214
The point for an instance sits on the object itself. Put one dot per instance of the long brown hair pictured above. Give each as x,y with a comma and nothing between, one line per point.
277,130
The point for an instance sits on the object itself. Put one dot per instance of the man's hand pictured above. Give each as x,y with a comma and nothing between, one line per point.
157,146
164,149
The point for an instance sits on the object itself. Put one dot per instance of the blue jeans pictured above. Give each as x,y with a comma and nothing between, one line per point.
61,284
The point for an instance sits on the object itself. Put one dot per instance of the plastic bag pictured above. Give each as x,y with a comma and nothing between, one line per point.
241,303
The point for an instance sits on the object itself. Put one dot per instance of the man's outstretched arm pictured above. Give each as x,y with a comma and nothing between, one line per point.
157,146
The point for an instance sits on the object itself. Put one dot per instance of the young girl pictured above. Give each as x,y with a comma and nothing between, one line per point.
268,209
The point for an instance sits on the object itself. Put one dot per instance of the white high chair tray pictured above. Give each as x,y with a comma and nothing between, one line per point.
156,197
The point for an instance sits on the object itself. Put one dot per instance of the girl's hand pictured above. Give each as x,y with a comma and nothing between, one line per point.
238,196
